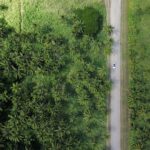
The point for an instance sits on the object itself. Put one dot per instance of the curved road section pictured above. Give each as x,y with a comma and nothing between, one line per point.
115,21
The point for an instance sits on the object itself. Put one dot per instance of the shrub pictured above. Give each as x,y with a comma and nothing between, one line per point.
3,7
92,20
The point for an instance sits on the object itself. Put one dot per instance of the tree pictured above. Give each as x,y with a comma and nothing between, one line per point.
50,91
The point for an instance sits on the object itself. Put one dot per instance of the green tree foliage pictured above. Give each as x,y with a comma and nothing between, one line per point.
52,92
92,20
3,7
139,74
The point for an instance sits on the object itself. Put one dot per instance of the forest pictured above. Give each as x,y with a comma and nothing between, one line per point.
139,92
54,85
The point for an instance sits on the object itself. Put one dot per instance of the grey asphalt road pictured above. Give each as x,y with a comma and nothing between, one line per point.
115,21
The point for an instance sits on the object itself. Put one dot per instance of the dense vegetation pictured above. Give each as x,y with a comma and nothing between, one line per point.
3,7
139,53
52,89
90,26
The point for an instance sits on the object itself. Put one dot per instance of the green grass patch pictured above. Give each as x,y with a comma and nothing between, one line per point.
36,14
39,13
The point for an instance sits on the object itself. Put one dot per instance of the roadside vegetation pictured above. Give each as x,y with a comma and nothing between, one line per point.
54,77
139,54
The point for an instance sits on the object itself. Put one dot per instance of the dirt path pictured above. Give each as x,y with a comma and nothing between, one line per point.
115,124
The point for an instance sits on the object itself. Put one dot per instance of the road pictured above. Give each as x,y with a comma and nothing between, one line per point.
115,124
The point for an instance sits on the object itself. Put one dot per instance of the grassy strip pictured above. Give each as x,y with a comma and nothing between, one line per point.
50,13
42,12
124,77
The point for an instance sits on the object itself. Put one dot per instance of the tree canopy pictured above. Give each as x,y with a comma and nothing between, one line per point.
52,92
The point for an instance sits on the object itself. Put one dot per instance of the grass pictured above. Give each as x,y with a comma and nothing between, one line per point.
43,12
124,76
49,12
12,14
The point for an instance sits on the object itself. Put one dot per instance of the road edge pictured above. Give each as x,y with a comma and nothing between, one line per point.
124,76
107,7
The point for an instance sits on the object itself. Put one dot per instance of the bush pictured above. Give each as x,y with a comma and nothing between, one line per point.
3,7
92,20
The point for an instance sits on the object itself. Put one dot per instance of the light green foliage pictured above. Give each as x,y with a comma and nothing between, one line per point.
12,14
38,13
52,14
139,23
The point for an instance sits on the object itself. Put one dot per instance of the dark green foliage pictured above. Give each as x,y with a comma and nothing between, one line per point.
139,53
4,28
78,29
46,29
52,92
3,7
92,20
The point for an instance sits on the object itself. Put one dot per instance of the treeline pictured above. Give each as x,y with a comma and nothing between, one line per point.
52,91
139,53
